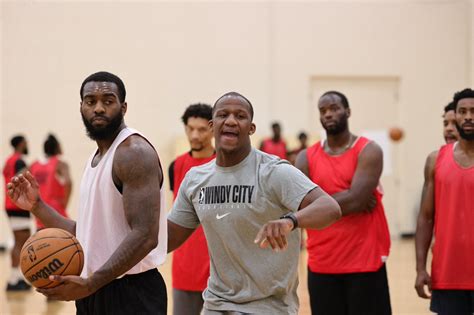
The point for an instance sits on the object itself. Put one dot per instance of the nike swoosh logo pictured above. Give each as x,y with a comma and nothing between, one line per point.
218,217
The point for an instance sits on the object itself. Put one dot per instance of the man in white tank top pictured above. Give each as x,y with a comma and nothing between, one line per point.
120,225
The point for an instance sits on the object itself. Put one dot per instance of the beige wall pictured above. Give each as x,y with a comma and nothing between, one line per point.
170,54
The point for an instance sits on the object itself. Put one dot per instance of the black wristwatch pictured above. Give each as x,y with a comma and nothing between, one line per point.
292,217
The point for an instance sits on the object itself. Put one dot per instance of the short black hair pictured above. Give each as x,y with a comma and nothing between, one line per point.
302,134
199,110
104,76
51,145
276,125
235,94
343,98
449,107
16,140
466,93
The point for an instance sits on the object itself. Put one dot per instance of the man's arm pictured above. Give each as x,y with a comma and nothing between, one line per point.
177,235
301,162
365,181
359,197
24,192
64,176
310,206
316,211
171,175
424,227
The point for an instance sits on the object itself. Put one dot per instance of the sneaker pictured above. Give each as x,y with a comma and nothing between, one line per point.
21,285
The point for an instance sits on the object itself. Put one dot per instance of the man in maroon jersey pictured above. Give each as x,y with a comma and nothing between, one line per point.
19,219
346,261
190,269
53,177
275,145
447,212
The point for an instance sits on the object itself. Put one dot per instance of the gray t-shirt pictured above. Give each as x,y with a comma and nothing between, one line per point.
232,204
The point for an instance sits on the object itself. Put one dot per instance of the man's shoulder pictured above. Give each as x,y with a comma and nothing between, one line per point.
267,163
203,168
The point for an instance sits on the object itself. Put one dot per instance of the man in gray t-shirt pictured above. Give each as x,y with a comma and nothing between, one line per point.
240,199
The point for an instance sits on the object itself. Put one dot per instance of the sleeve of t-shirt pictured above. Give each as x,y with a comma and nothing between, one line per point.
19,166
289,185
183,212
171,176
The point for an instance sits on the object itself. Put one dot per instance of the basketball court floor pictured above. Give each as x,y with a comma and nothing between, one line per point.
400,266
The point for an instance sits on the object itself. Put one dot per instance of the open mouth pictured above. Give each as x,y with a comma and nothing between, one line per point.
230,134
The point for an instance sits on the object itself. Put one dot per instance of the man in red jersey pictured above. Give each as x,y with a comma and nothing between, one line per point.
19,219
450,133
346,261
53,178
275,145
190,269
447,210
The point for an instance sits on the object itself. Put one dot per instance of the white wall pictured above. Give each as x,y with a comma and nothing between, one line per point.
171,54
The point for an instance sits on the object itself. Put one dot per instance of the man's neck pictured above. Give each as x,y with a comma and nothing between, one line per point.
204,153
467,146
340,140
228,159
104,144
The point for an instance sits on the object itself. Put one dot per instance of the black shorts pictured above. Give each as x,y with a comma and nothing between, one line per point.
143,293
18,213
452,302
364,293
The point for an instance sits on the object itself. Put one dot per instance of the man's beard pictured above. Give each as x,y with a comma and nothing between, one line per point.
336,128
101,133
464,135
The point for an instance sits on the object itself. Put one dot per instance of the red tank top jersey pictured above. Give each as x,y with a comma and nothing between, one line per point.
190,267
358,242
8,173
453,250
51,190
275,148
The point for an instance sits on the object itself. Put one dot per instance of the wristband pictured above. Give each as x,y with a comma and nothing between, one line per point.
292,217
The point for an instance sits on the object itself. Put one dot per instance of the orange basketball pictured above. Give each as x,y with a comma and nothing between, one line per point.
50,252
395,133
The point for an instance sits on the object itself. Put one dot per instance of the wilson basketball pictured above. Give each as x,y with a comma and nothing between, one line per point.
396,134
50,252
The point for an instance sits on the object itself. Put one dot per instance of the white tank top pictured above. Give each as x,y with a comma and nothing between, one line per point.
101,224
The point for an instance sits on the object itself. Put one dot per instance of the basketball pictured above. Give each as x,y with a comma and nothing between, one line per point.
50,252
395,133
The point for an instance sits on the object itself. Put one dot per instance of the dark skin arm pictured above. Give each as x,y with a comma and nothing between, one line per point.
359,197
177,235
316,211
424,228
136,168
24,192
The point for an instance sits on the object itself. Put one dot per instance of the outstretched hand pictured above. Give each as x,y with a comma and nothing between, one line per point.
71,288
23,190
274,234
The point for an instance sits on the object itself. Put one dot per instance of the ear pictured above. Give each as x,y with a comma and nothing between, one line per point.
348,112
211,124
253,128
124,108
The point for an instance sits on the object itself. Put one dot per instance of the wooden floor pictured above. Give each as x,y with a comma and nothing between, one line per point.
400,266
